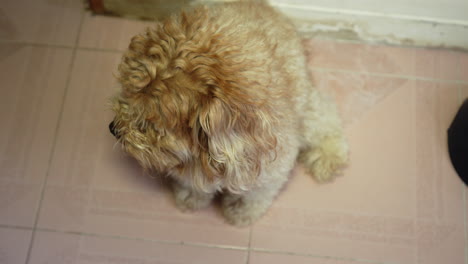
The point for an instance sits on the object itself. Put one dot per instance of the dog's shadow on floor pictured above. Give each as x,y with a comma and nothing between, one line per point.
140,181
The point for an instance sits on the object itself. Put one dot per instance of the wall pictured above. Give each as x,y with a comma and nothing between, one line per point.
432,23
427,23
455,11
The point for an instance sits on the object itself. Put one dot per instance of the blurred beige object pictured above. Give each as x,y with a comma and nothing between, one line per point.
136,9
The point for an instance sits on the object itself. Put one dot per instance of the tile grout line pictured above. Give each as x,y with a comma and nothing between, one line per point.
464,223
15,227
166,242
415,218
249,245
101,50
460,101
51,45
459,96
194,244
381,43
388,75
35,44
213,246
54,143
354,260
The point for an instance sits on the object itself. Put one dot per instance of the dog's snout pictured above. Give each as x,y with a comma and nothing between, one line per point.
112,129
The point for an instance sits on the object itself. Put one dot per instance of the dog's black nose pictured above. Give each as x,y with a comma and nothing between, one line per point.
112,129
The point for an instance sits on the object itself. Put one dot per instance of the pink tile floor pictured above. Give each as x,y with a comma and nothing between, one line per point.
68,195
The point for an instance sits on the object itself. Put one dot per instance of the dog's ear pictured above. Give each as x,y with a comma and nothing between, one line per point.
236,143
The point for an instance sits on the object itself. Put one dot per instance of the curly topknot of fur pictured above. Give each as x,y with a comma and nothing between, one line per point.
190,74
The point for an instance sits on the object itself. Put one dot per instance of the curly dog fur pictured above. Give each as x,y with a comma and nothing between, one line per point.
219,99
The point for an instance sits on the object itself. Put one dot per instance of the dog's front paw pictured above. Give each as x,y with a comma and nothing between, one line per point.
189,200
240,211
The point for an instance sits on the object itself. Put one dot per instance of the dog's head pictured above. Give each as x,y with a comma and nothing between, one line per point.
186,110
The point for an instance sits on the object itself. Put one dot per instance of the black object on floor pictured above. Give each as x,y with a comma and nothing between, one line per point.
458,142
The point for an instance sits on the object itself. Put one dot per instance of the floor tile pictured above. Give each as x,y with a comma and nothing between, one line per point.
34,81
359,57
381,59
274,258
463,92
41,21
355,93
463,71
399,200
58,248
387,59
93,187
329,54
437,64
14,244
109,32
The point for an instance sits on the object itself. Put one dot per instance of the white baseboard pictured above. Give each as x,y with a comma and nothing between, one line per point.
374,27
377,28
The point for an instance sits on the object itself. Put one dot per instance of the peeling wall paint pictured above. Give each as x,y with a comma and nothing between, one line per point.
380,29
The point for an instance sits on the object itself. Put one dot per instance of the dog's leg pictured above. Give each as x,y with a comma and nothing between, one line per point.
188,200
324,148
244,209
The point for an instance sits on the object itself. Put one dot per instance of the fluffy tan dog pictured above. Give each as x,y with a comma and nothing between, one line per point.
219,99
